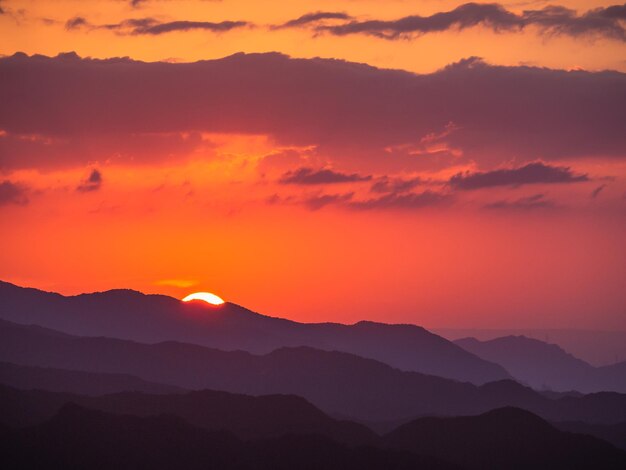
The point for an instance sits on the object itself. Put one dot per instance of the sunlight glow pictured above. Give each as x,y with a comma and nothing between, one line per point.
206,297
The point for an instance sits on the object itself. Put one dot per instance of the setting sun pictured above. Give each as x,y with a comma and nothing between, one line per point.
206,297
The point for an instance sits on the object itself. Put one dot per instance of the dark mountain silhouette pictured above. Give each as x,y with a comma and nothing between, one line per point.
547,366
339,383
132,315
85,383
87,439
248,417
506,438
613,433
245,416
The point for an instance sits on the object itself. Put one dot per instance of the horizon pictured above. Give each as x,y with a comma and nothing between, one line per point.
434,329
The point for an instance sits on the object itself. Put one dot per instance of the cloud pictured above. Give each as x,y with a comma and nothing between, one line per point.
394,185
348,114
317,202
76,22
536,201
306,176
533,173
555,20
182,283
404,201
161,28
13,193
151,26
315,18
92,183
596,192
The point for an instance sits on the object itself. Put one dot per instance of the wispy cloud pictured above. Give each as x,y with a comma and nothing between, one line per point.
309,176
533,173
403,201
536,201
151,26
557,20
92,183
313,18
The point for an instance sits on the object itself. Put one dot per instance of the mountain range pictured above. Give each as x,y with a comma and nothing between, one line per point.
340,384
127,314
547,366
77,436
120,379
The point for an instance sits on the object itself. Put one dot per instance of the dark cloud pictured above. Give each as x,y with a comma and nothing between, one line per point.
394,185
316,17
403,201
533,173
350,114
92,183
161,28
607,22
13,193
317,202
596,192
151,26
536,201
310,176
76,22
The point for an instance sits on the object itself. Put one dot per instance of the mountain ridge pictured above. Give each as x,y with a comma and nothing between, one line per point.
128,314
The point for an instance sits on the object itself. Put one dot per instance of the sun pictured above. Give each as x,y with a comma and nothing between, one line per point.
206,297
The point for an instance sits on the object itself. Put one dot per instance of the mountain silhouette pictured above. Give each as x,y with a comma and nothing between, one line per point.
505,438
85,383
613,433
596,347
547,366
128,314
245,416
338,383
79,438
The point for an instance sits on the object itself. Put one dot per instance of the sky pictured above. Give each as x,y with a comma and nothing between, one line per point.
433,162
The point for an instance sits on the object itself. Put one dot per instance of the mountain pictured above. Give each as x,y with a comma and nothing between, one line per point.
612,377
127,314
598,348
85,383
79,438
338,383
546,366
245,416
613,433
506,438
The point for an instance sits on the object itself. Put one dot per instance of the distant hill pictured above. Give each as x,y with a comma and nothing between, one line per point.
339,383
613,433
506,438
85,383
598,348
132,315
79,438
245,416
547,366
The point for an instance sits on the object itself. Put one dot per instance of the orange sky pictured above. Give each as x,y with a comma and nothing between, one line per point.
212,208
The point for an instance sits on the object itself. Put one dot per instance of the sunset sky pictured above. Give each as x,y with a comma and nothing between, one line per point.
432,162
